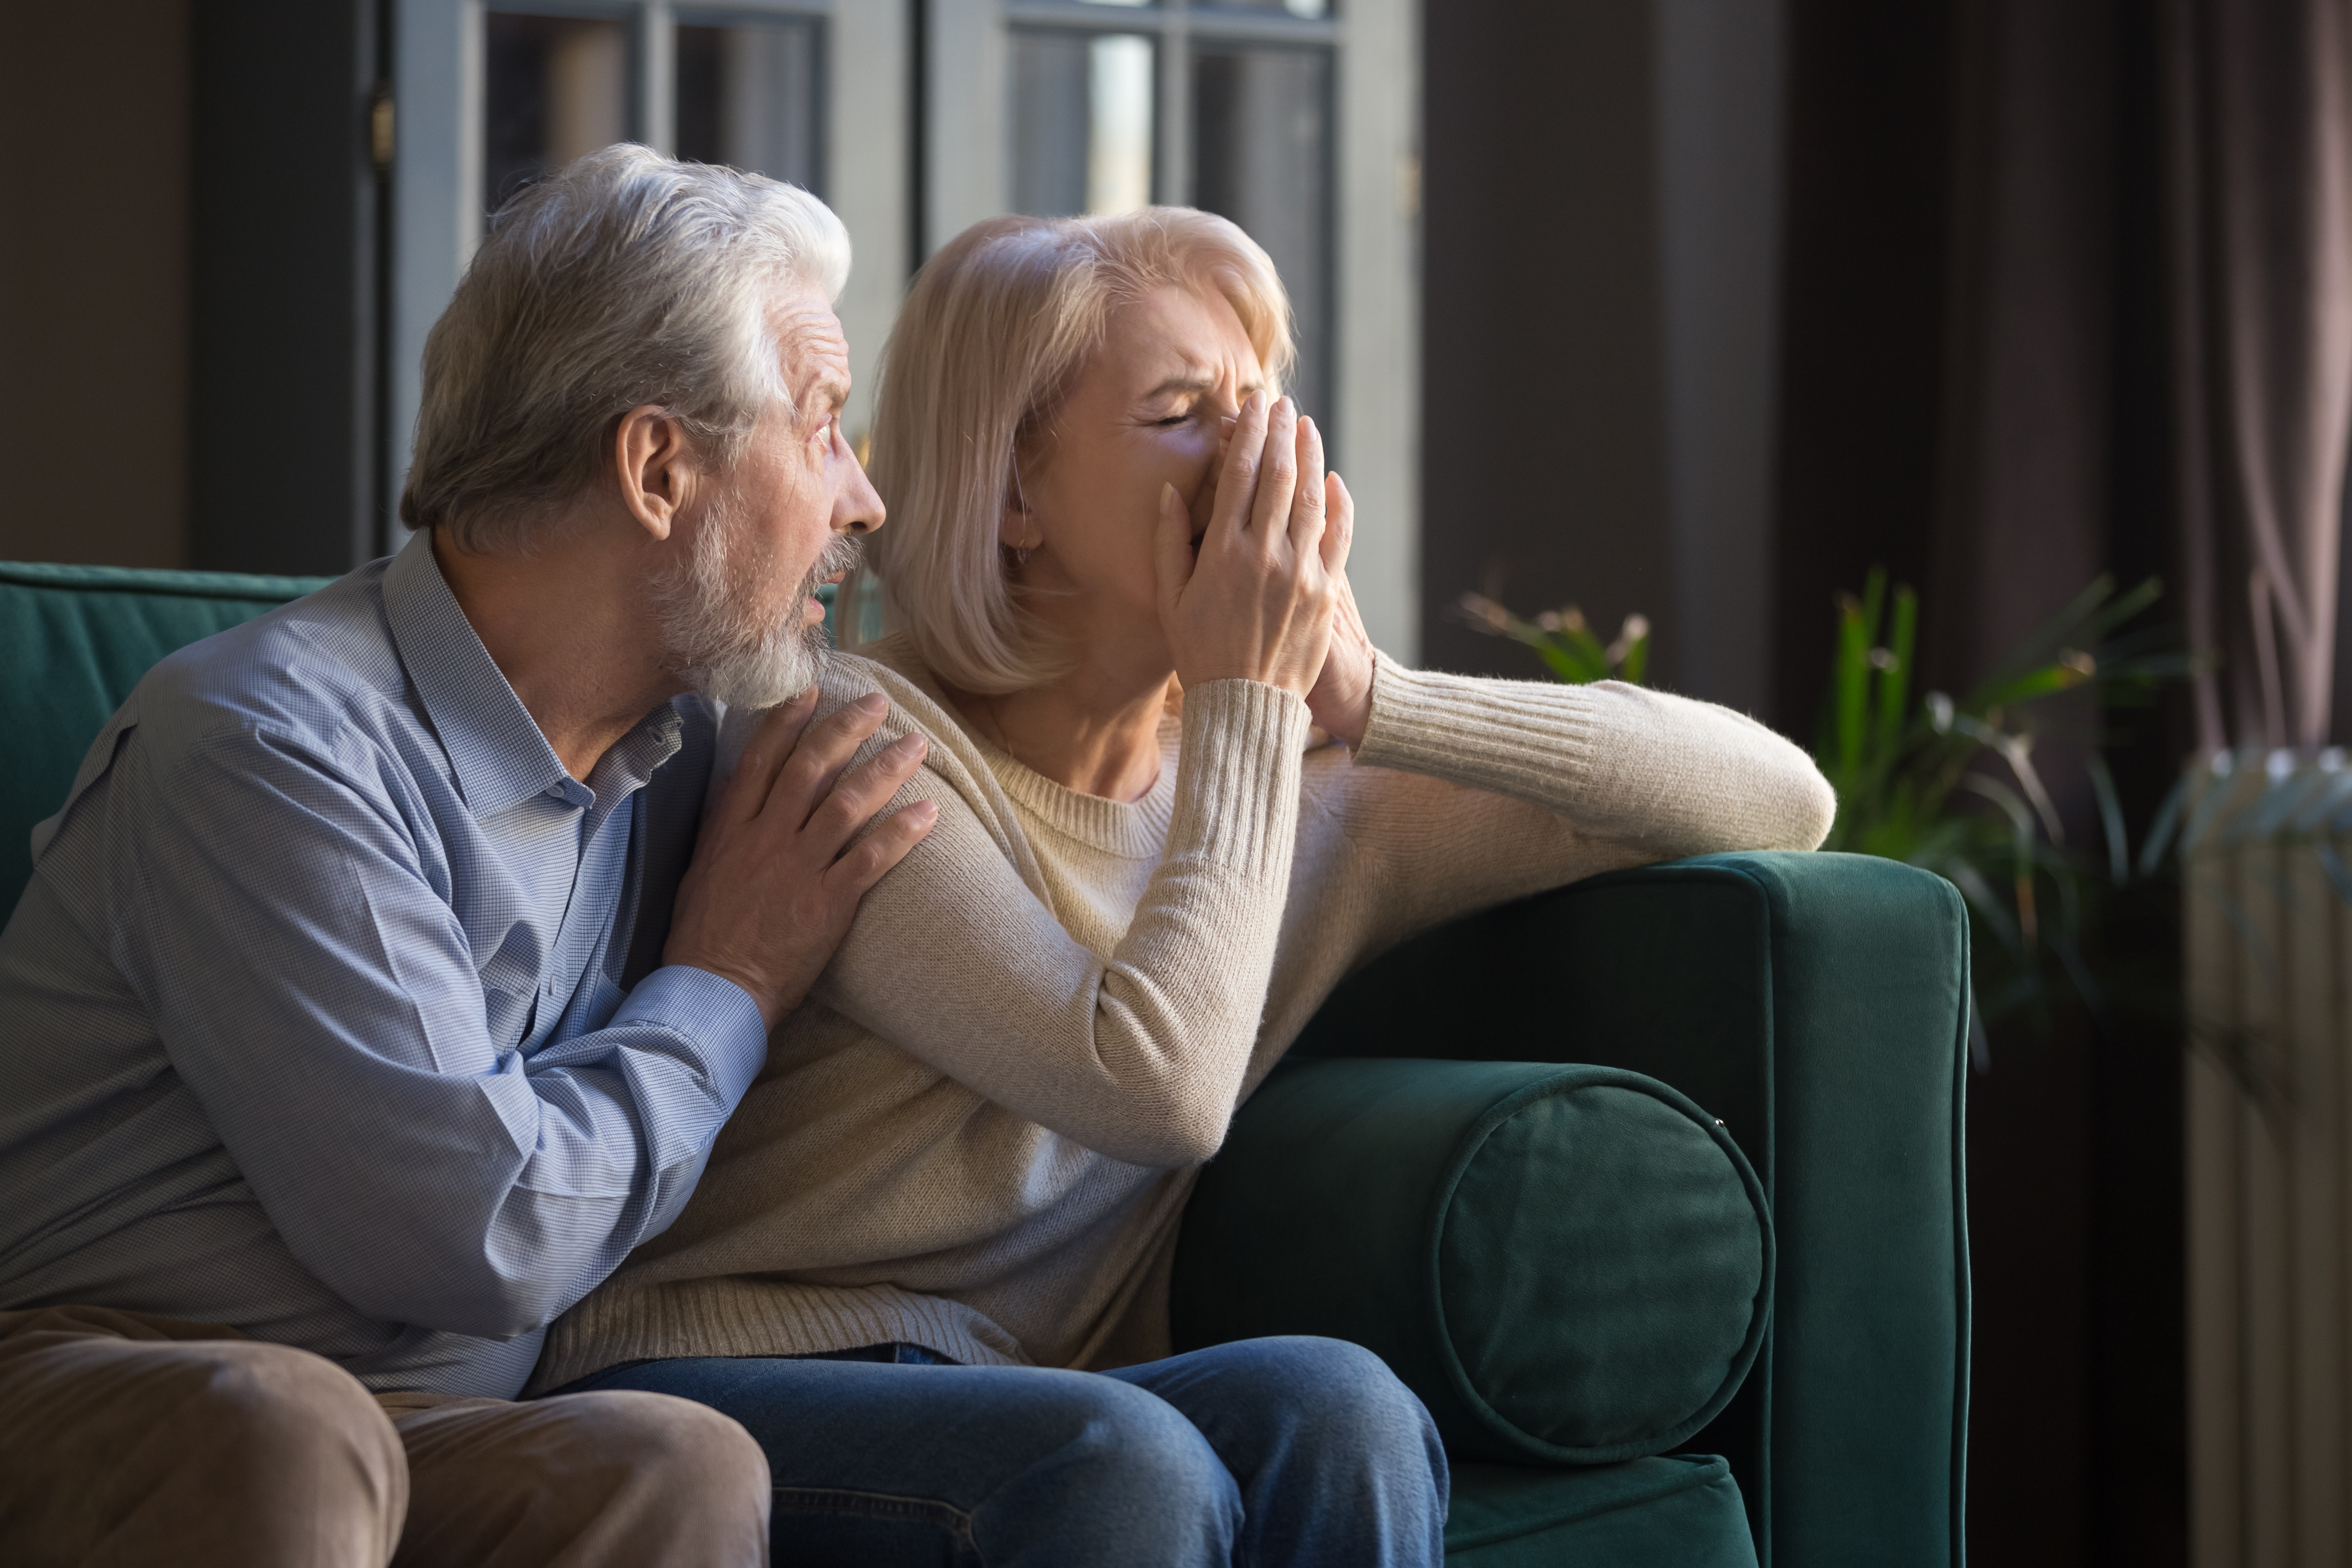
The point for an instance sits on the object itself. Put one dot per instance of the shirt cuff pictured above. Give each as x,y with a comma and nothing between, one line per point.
714,1013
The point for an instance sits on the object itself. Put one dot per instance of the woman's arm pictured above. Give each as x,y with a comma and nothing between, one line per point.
1666,773
1616,762
1139,1055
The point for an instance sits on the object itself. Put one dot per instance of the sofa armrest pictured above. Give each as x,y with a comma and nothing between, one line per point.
1569,1265
1819,1004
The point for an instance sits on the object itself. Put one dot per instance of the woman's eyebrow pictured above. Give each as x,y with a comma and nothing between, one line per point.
1187,381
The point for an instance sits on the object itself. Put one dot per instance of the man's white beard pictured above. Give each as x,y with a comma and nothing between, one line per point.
715,636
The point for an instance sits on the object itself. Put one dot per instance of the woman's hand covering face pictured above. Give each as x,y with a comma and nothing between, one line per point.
1257,598
1243,575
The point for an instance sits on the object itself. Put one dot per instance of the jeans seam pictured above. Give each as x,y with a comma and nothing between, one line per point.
887,1505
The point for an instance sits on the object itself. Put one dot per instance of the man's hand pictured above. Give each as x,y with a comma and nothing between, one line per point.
772,892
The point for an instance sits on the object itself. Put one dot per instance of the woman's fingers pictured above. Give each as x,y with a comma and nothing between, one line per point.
1237,475
770,748
1171,549
1308,512
1277,475
1339,524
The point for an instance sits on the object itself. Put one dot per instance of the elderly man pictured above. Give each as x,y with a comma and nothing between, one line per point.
374,994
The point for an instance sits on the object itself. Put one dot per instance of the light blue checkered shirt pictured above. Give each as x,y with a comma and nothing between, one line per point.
317,1016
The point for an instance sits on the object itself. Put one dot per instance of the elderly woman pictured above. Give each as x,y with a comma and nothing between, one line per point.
1180,797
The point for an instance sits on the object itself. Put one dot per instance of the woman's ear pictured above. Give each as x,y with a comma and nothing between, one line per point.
1016,525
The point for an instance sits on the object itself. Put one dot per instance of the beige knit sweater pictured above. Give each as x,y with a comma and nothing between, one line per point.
979,1133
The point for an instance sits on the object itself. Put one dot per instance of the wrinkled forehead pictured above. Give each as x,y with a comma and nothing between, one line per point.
1184,332
813,351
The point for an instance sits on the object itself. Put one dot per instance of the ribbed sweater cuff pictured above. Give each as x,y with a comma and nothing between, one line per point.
1237,778
1532,741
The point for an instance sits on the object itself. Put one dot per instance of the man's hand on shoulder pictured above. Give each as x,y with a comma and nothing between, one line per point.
776,879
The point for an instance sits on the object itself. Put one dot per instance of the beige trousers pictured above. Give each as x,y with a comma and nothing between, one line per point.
130,1440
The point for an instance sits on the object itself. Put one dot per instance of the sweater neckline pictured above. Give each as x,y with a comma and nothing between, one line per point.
1132,830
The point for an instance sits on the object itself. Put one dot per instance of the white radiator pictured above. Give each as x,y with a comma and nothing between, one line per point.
2267,907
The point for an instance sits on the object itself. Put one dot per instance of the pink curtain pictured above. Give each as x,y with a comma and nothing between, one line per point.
2260,183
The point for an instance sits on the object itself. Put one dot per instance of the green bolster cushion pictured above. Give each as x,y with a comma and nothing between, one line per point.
1569,1265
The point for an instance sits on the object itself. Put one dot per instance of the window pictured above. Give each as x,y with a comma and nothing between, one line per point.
739,87
749,95
1225,107
918,118
1296,119
490,97
555,88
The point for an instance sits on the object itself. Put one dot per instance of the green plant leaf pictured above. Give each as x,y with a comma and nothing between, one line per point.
1565,665
2111,818
1895,684
2060,630
2034,683
2160,831
1852,688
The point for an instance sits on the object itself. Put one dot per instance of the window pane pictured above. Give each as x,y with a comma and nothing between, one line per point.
1082,123
1262,156
747,96
555,87
1312,10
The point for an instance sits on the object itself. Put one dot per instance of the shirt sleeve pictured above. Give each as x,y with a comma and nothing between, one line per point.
277,915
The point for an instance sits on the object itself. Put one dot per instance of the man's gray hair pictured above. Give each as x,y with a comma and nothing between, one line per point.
625,279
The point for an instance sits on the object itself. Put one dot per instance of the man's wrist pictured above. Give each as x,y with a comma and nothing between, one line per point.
683,952
761,996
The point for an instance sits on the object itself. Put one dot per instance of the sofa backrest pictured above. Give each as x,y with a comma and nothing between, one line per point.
73,640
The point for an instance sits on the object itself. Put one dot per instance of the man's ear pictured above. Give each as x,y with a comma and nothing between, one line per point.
655,468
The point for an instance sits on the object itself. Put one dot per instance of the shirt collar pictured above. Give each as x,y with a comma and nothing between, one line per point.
495,747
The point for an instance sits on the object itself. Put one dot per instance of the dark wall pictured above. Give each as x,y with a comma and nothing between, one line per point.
1544,458
1971,395
1865,275
93,285
284,396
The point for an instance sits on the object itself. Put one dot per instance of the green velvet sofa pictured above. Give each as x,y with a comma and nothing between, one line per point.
1650,1187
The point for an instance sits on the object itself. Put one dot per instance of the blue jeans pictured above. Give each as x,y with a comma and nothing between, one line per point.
1265,1452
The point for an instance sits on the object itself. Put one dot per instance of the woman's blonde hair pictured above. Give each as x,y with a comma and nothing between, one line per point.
996,329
